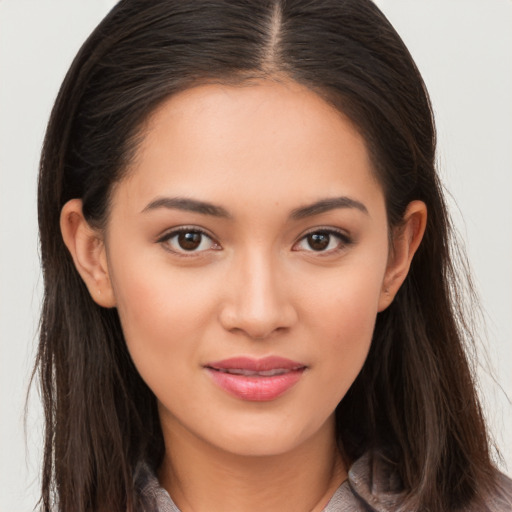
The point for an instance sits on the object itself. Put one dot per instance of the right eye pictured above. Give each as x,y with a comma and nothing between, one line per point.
187,240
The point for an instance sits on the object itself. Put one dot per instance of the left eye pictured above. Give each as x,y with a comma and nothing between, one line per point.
188,241
322,241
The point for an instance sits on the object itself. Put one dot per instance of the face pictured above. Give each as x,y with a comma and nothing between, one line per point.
247,250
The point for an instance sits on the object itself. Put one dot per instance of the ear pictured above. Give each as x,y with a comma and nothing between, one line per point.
406,240
88,252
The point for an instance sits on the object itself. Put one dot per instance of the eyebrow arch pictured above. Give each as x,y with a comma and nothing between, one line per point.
325,205
188,205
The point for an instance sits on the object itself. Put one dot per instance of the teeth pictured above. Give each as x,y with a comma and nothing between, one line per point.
251,373
271,373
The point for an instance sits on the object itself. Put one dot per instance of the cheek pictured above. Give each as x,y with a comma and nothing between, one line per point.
350,329
162,314
342,317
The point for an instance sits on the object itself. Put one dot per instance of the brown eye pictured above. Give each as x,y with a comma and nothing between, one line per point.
189,241
323,241
318,241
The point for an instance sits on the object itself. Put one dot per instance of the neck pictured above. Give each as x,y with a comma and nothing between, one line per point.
201,477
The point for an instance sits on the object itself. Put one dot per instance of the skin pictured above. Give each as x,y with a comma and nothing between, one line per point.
253,287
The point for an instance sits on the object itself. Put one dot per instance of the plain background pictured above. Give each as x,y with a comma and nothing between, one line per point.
464,50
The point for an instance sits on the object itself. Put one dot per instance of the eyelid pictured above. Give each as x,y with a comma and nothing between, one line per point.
172,232
342,235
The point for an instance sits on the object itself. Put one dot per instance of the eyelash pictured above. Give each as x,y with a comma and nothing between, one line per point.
167,237
343,241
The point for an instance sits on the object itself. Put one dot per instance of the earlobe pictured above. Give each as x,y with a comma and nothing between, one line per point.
406,241
87,249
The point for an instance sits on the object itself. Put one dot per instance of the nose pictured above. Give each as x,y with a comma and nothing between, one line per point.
257,303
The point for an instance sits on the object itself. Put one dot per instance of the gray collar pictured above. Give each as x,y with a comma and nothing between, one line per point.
372,486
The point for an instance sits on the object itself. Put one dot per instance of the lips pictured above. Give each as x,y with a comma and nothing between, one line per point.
253,373
256,379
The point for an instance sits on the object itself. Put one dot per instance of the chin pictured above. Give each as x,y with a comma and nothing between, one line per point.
265,439
258,446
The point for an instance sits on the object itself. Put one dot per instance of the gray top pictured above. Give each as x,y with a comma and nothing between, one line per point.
371,486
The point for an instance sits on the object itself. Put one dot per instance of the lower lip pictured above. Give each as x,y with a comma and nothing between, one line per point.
256,389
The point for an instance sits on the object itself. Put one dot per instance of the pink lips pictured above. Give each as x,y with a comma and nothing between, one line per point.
256,380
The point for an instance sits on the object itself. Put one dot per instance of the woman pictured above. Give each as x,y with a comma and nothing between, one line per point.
249,297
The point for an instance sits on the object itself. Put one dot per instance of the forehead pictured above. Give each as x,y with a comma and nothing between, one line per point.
251,113
266,140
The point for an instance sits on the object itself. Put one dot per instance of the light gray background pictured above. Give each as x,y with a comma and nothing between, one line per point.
462,47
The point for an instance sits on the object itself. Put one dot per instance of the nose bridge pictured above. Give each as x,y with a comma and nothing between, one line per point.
258,303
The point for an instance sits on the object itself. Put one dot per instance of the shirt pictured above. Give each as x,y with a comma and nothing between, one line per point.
372,486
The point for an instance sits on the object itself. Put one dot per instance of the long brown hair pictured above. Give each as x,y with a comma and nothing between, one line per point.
414,401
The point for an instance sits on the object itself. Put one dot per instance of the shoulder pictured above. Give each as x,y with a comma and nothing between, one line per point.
373,485
375,481
501,499
151,496
498,500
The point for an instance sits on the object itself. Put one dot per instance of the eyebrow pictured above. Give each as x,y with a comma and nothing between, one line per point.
205,208
188,205
325,205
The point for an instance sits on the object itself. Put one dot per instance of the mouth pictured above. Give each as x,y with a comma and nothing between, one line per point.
256,379
252,373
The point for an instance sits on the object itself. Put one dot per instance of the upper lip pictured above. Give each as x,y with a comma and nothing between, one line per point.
256,365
